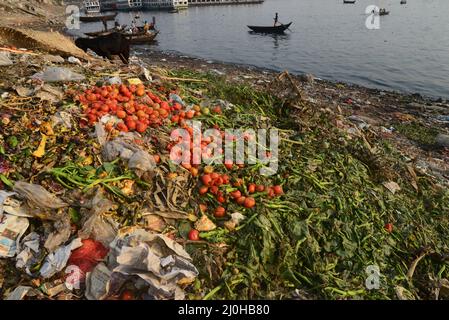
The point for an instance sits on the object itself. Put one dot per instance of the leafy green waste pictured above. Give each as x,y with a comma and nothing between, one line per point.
329,226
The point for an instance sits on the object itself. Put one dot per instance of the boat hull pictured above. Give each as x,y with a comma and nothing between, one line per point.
277,29
98,18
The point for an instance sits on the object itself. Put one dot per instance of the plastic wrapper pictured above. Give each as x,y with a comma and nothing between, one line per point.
56,74
38,196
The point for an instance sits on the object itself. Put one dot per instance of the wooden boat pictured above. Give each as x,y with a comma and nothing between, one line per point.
97,18
403,1
277,29
142,37
348,1
139,38
123,30
384,13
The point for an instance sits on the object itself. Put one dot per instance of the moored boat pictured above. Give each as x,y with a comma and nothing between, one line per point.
348,1
267,29
96,18
141,37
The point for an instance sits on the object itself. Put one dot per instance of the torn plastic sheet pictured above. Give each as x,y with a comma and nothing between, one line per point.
60,235
57,260
155,258
12,229
124,147
38,196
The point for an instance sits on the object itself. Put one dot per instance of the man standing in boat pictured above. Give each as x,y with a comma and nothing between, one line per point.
105,24
276,19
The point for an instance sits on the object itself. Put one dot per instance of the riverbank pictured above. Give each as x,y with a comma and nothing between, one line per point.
38,15
361,181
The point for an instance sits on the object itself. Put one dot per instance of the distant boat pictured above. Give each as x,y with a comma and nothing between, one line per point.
174,10
348,1
403,1
95,18
275,29
383,12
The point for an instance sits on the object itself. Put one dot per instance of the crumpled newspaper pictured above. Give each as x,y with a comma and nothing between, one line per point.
12,229
29,252
161,262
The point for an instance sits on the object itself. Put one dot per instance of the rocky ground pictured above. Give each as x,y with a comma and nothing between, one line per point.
36,14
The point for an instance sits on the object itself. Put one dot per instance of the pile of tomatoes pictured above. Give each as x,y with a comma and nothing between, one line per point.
223,188
135,106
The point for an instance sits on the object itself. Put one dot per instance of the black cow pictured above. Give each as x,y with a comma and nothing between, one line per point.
107,46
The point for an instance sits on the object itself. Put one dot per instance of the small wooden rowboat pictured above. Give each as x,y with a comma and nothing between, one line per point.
97,18
136,38
348,1
123,30
277,29
142,37
384,13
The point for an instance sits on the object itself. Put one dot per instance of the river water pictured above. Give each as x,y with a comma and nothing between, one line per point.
410,51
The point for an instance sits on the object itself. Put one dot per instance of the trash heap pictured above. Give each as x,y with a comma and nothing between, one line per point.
93,207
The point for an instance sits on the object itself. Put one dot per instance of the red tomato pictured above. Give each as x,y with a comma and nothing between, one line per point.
260,188
203,190
194,235
220,212
141,127
221,198
121,114
249,202
389,227
241,200
206,179
251,188
213,189
278,190
127,295
236,194
131,124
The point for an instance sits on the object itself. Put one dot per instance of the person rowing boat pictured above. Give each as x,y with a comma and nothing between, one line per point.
276,19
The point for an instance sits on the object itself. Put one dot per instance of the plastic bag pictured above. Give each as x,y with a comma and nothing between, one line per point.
37,196
55,74
60,235
5,60
98,226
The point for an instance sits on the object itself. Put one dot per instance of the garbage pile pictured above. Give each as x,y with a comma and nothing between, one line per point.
95,202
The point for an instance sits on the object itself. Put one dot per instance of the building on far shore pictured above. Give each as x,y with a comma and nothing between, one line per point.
218,2
128,5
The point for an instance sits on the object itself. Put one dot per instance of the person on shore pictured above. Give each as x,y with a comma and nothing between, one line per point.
276,19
